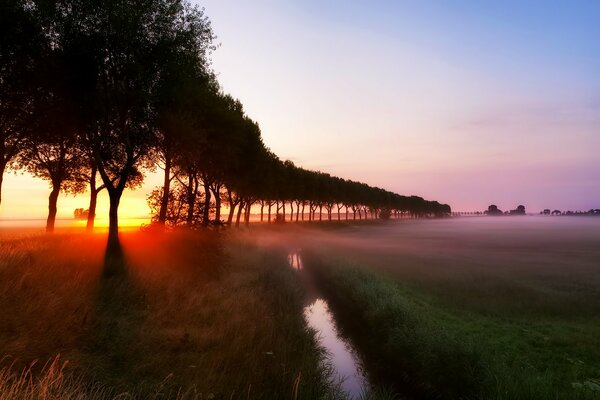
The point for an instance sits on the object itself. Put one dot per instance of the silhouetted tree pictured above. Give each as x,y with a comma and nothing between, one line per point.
119,51
21,51
51,151
520,210
53,159
493,210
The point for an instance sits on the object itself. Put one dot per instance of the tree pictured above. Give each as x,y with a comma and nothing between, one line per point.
184,95
520,210
21,43
51,150
94,188
493,210
54,159
118,52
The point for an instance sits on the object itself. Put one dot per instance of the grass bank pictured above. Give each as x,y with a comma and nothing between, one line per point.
428,348
190,316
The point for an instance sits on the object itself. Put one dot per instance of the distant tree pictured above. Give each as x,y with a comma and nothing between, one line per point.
493,210
385,213
520,210
80,213
546,211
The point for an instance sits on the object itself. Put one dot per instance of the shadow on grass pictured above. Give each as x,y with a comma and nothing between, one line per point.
115,324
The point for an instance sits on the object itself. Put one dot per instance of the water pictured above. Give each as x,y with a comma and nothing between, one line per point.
342,357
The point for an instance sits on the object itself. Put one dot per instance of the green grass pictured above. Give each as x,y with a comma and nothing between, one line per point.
423,335
190,316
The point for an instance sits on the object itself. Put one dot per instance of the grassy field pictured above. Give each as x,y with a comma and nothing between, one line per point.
472,308
190,316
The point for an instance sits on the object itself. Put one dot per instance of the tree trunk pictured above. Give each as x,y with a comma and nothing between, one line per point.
247,214
231,214
93,198
191,199
92,209
113,216
262,210
320,212
164,203
2,168
283,210
239,214
52,200
270,204
206,211
302,211
217,206
298,211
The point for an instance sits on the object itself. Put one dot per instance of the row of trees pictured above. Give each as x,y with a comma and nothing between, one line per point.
592,211
94,93
494,210
280,191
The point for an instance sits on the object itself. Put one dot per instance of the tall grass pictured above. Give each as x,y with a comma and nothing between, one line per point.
409,341
190,316
52,382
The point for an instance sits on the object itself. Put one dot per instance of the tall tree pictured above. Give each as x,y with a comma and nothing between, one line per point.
21,48
54,160
119,50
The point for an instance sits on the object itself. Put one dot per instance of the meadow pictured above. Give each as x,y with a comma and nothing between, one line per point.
471,308
190,316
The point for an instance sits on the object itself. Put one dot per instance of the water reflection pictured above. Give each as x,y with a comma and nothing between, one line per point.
294,260
342,356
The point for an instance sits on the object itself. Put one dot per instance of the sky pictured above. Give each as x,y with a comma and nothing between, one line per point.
465,102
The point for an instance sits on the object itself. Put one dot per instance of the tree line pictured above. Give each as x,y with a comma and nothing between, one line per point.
96,93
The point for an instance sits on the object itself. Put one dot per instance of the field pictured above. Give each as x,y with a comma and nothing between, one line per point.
504,308
190,316
475,308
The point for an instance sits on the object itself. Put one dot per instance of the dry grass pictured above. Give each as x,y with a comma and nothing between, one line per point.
192,315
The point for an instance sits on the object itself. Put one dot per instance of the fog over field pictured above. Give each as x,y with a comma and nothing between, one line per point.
487,245
520,262
482,307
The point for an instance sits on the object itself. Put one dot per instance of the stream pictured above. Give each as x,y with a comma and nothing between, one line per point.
341,355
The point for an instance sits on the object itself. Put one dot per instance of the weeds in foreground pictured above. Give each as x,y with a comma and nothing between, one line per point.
52,382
